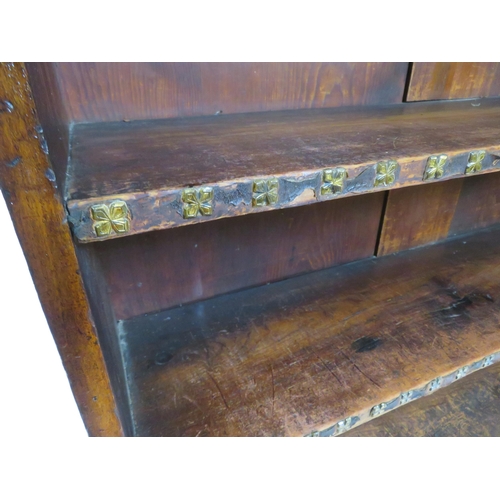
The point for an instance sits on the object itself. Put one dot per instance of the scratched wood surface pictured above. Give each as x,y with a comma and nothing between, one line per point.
453,80
168,268
137,91
147,164
469,407
300,355
28,185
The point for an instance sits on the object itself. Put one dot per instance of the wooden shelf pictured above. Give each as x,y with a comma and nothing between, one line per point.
318,353
469,408
239,164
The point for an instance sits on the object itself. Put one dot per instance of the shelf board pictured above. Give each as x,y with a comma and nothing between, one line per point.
469,408
148,164
299,356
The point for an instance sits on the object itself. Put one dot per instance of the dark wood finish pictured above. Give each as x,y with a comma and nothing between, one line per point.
478,205
40,222
147,273
147,164
453,80
421,215
300,355
53,132
418,215
470,407
138,91
99,299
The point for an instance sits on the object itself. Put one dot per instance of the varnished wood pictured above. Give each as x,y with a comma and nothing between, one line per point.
478,205
425,214
148,165
453,80
300,355
470,407
53,118
137,91
40,222
162,269
418,215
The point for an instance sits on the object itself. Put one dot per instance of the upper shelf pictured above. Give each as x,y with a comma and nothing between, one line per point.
131,177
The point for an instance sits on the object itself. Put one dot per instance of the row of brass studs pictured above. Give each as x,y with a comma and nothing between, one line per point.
198,202
404,398
434,168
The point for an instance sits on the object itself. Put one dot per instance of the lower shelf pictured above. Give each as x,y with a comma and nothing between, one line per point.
471,407
299,356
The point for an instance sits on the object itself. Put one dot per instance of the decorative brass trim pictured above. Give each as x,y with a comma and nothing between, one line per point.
333,181
197,202
487,361
345,425
265,192
406,397
385,173
378,409
435,167
475,161
435,384
114,218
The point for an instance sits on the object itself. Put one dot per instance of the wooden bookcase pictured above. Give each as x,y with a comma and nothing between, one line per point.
257,249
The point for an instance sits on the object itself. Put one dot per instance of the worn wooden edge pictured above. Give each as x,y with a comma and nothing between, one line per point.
406,397
162,209
28,185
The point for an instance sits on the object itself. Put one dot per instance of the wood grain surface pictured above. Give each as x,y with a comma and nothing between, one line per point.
421,215
28,185
299,355
53,118
162,269
453,80
148,164
468,408
138,91
418,215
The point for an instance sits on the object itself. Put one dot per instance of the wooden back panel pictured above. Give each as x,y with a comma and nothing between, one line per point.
162,269
421,215
95,92
453,80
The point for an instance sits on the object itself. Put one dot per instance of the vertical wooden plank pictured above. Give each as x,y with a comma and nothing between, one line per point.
428,213
27,183
479,204
51,115
418,215
453,80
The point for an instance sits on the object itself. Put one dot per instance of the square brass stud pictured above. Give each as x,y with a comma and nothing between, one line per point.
435,167
475,162
333,181
461,372
197,202
344,425
378,409
385,173
114,218
265,192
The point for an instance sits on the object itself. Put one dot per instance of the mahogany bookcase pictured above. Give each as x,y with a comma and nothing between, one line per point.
263,249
